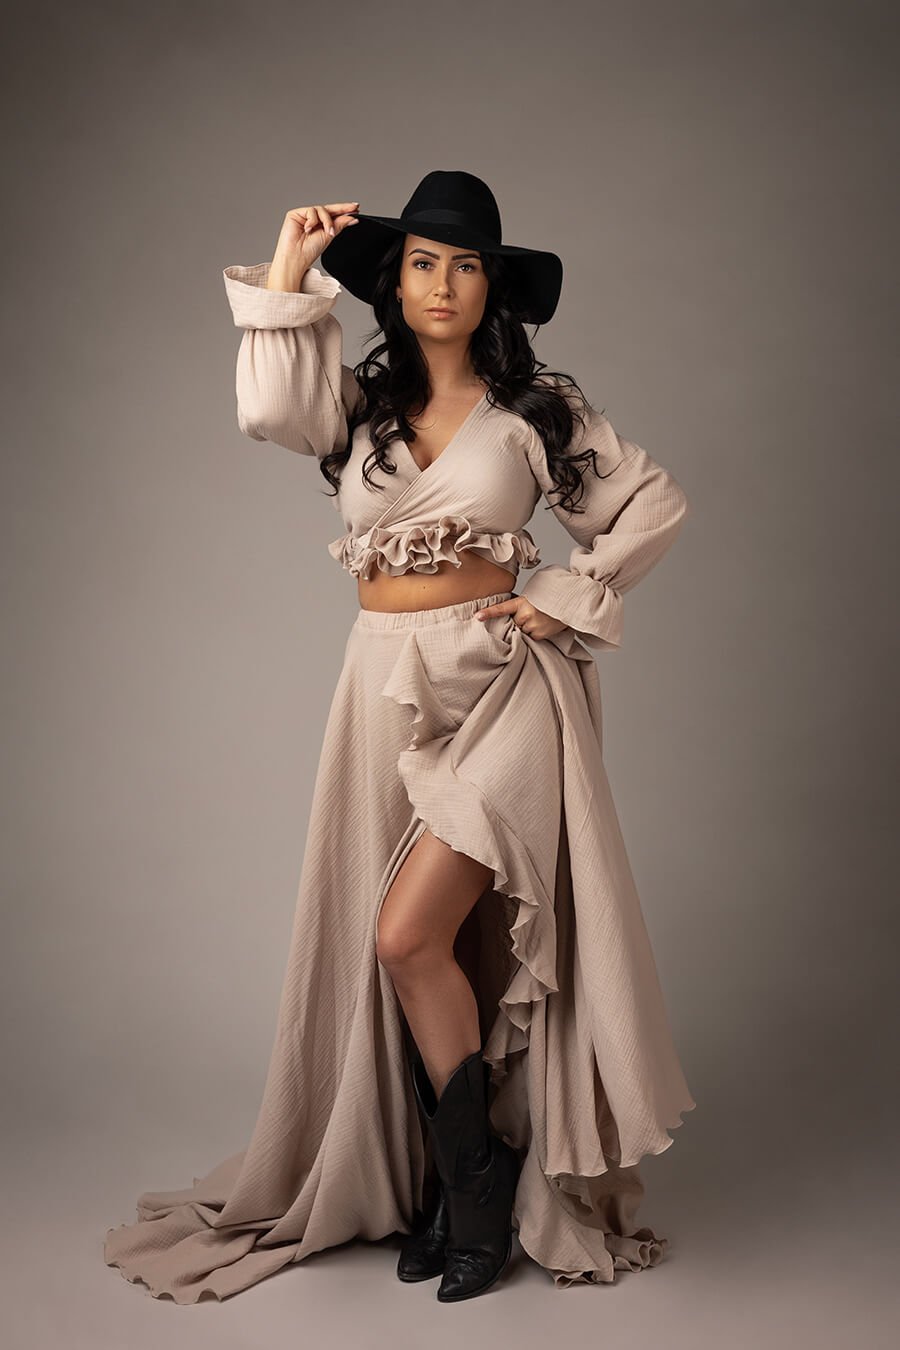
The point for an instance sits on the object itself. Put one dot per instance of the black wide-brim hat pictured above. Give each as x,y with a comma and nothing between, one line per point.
451,207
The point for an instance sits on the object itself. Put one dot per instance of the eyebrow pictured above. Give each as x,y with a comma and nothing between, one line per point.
453,256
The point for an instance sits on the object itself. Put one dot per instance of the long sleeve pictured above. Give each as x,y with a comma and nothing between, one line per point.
631,515
291,385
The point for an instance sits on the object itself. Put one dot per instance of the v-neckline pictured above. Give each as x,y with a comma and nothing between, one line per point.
476,407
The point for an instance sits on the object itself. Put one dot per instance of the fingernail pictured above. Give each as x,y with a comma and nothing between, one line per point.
331,229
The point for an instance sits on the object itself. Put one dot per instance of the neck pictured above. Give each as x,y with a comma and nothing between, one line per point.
449,366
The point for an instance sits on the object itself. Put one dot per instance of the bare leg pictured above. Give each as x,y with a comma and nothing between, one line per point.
434,891
467,948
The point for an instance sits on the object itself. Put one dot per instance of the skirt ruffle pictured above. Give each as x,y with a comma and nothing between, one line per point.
492,740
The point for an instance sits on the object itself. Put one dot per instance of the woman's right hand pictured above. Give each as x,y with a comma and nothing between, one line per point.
306,233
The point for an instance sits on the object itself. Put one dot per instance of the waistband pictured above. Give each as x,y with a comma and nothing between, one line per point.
415,618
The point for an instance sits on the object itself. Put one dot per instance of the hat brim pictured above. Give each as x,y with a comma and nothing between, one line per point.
353,256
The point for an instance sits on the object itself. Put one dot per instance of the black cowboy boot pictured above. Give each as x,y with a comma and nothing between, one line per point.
479,1172
422,1252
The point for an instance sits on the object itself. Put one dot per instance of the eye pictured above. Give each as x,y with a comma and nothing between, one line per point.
423,262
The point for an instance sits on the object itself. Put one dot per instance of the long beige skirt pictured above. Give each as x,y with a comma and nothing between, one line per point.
492,740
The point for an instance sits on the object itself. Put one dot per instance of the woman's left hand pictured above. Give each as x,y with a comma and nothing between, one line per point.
532,621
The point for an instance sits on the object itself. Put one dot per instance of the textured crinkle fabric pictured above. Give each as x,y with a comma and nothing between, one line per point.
421,548
492,740
293,388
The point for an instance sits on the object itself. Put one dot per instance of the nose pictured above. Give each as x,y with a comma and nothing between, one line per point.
442,283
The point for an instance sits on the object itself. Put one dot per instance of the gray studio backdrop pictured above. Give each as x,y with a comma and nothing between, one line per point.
718,179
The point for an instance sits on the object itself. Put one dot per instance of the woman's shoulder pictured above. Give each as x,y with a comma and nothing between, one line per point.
594,440
586,419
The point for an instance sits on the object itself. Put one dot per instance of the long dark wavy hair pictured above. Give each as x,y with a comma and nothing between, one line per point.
501,356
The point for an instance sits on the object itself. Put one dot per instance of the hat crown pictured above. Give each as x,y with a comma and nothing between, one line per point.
454,197
453,208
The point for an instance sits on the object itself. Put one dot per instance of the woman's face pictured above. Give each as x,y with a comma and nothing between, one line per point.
435,276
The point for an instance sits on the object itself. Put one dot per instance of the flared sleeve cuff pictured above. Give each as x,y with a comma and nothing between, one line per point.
592,609
253,305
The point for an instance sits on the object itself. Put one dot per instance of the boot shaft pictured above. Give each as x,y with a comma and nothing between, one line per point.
457,1120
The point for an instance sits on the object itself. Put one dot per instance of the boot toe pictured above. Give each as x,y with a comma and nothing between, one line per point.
470,1271
421,1265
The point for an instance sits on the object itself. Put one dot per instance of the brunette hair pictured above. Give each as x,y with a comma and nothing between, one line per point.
502,356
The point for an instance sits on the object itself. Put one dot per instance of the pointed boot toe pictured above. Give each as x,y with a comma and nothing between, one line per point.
480,1243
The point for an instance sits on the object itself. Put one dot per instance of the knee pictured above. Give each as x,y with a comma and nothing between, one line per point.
401,946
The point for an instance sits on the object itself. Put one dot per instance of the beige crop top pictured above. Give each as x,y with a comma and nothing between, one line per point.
479,493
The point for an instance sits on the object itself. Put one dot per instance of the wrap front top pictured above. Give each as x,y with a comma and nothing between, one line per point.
478,494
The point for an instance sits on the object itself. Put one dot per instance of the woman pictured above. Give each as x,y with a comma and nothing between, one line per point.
468,942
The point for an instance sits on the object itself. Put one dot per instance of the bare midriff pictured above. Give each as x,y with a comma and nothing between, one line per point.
475,577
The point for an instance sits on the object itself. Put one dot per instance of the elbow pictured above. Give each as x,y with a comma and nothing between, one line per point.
277,426
250,428
682,503
278,432
677,500
666,507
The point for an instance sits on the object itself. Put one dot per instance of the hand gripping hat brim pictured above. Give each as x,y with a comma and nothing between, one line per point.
450,207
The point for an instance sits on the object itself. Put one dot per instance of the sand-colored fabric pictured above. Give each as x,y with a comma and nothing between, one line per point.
293,388
492,740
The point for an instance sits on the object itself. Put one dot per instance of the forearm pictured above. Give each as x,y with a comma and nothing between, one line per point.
285,274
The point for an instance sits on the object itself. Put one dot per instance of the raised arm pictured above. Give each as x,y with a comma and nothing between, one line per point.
292,387
632,514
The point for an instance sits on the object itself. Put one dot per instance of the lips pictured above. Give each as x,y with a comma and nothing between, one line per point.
437,310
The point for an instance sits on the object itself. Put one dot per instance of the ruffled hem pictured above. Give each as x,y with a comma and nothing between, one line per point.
422,547
585,1077
579,1190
